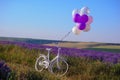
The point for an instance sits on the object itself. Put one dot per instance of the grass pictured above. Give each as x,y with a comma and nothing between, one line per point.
92,46
22,61
105,49
74,44
108,48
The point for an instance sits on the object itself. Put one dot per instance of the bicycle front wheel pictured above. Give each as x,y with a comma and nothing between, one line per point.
59,67
39,63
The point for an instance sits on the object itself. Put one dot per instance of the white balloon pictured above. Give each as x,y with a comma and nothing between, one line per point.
75,11
75,30
84,10
87,28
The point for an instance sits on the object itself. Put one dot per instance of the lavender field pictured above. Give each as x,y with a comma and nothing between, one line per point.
84,64
92,54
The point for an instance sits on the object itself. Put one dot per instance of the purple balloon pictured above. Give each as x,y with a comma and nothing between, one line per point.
76,18
82,26
83,19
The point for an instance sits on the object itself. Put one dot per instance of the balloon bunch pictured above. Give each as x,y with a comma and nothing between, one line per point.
82,19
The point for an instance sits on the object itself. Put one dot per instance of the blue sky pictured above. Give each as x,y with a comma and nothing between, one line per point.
51,19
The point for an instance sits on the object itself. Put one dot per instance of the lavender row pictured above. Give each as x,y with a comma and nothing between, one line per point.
95,55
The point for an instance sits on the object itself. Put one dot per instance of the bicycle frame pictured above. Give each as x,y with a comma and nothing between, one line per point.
54,59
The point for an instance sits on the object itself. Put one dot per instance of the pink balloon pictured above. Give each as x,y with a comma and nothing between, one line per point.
87,28
90,20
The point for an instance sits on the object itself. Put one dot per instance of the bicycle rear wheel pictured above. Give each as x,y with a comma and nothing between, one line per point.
39,66
59,67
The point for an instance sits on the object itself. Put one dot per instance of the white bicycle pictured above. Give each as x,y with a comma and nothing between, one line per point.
57,65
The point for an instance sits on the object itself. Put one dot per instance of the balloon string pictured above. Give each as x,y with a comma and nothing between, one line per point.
63,38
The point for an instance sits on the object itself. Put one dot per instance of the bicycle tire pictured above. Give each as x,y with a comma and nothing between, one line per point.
39,67
53,68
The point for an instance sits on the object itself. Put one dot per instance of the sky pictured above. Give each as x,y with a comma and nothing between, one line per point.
52,19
